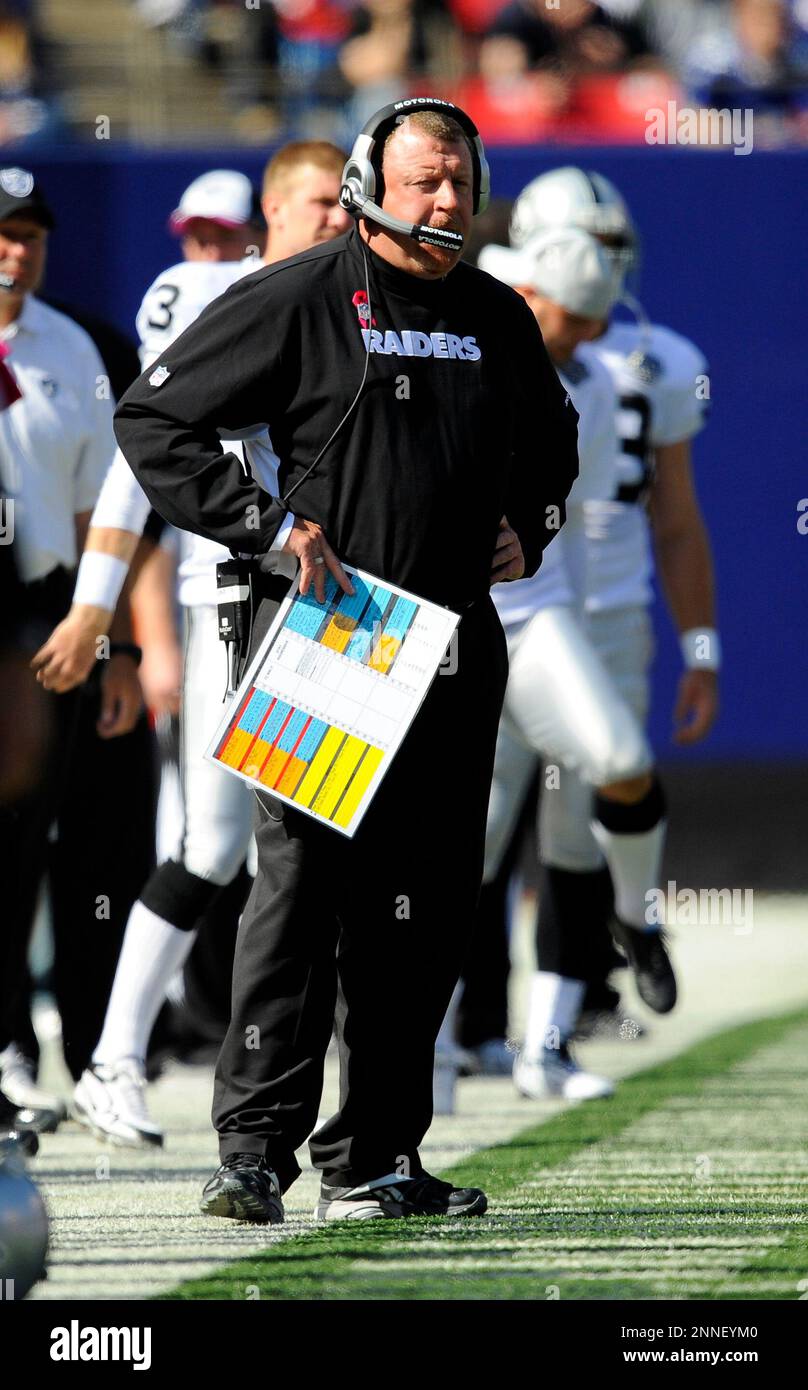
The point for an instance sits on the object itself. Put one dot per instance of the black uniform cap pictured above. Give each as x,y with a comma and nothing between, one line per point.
19,194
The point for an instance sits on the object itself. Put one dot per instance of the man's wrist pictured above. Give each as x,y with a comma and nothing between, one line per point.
91,618
701,649
284,531
99,580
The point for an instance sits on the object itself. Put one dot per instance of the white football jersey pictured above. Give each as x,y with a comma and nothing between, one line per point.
170,305
562,578
177,297
659,379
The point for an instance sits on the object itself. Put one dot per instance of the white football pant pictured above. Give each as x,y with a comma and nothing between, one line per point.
566,706
218,806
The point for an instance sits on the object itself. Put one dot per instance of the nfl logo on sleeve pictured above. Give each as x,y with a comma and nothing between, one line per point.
158,376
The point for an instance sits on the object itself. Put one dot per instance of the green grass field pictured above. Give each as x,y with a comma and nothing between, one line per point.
690,1183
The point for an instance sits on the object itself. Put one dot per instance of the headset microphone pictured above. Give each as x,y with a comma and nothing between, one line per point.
354,201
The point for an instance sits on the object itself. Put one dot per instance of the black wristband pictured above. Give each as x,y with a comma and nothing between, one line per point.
127,649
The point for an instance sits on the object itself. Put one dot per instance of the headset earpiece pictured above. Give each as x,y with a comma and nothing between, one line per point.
347,195
358,176
484,184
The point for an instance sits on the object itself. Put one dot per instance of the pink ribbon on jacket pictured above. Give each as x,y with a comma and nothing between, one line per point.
9,386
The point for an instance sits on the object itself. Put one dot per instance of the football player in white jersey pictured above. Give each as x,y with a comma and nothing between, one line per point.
561,703
301,204
662,387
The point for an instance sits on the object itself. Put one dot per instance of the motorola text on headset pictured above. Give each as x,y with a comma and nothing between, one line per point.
362,184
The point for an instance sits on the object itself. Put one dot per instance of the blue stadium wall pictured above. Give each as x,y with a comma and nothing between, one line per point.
725,262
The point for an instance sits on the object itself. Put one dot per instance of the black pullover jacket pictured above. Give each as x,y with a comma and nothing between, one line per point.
461,419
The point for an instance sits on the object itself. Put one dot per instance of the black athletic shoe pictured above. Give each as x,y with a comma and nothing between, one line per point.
18,1141
648,958
397,1197
245,1189
8,1111
16,1137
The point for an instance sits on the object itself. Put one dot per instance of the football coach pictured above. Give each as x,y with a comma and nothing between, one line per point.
411,404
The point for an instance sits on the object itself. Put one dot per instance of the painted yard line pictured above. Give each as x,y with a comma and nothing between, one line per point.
373,1259
553,1143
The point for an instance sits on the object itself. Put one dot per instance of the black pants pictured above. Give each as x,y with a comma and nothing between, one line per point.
24,826
377,925
102,796
208,972
103,854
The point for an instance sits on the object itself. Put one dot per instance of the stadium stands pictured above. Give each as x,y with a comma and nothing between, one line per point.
224,72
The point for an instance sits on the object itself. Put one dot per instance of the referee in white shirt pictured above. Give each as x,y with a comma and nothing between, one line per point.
56,443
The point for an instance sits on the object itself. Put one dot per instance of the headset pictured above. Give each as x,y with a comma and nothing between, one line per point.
363,182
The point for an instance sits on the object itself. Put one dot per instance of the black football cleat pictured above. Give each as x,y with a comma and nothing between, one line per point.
244,1188
648,957
399,1197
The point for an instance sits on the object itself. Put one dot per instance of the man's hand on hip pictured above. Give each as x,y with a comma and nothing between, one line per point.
508,561
307,542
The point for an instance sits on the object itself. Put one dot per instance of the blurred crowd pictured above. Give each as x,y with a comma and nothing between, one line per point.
525,70
29,109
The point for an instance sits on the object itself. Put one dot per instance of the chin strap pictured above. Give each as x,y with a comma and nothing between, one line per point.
634,307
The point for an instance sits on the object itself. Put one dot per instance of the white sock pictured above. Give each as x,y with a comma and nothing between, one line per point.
554,1005
152,950
634,863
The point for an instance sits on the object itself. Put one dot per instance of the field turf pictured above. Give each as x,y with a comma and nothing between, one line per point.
690,1183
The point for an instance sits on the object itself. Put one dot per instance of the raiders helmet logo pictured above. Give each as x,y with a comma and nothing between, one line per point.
17,182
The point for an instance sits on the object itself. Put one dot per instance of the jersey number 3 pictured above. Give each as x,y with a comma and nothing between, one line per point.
637,447
165,297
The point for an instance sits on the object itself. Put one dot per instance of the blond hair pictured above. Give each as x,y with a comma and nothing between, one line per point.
434,123
291,158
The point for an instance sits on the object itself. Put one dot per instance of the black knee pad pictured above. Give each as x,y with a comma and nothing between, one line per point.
178,896
642,816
